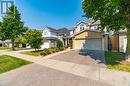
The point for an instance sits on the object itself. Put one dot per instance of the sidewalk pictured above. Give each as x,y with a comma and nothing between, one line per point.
116,78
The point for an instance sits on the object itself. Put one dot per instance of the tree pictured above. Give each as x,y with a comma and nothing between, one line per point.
12,26
20,40
34,39
113,14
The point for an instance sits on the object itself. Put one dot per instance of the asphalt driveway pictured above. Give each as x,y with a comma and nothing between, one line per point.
37,75
74,56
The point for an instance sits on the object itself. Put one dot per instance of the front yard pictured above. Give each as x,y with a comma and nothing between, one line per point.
116,61
8,63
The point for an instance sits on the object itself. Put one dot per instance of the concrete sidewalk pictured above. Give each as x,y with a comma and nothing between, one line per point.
116,78
38,75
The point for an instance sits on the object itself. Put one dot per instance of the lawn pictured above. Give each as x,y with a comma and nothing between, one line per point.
8,63
116,61
5,48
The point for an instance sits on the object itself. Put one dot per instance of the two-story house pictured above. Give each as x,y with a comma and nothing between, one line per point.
86,35
81,26
51,36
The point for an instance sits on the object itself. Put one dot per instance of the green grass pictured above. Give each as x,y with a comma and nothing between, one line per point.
33,53
116,61
8,63
5,48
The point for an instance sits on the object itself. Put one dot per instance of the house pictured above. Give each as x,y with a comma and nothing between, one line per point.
84,26
86,35
6,43
51,36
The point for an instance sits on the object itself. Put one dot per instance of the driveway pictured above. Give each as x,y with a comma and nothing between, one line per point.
66,68
74,56
37,75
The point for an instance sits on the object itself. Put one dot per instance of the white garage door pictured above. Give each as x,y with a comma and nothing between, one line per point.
45,45
90,44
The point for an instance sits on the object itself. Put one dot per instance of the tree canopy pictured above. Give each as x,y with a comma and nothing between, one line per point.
113,14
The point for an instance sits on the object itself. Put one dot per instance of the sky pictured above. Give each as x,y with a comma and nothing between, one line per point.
54,13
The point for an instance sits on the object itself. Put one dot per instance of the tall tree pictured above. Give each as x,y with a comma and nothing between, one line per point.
113,14
34,39
12,26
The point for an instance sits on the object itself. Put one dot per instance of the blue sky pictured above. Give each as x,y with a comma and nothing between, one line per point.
54,13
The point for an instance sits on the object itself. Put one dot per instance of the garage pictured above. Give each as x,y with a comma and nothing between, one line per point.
90,40
90,44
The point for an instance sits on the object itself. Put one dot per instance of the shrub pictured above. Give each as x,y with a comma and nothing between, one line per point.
52,50
61,49
59,44
47,51
43,53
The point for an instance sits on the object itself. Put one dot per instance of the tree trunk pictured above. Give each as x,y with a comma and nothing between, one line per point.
13,44
128,43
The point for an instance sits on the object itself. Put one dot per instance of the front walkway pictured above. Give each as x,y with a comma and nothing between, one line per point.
116,78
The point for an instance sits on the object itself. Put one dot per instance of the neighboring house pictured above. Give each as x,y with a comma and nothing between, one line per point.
6,43
51,36
85,35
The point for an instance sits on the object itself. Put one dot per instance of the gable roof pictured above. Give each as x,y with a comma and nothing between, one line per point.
59,31
63,31
80,23
51,29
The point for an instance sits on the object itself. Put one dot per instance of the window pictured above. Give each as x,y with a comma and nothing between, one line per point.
82,27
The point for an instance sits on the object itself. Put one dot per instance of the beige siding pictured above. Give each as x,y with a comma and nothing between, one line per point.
88,35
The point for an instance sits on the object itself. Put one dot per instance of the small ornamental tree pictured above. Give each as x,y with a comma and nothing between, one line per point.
34,39
12,26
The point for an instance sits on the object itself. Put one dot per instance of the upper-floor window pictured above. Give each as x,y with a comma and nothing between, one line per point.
82,27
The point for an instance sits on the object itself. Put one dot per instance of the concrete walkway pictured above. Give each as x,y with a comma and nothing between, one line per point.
115,78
